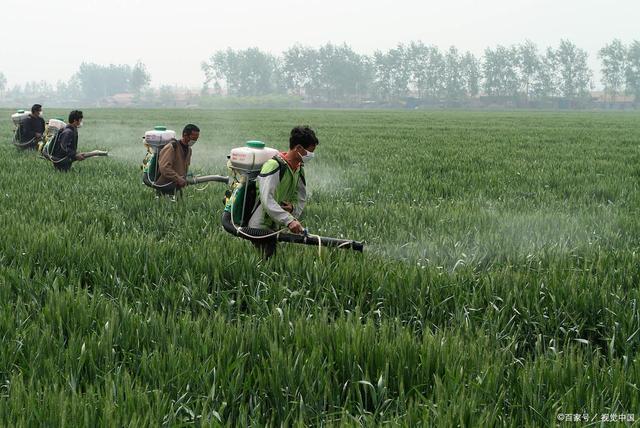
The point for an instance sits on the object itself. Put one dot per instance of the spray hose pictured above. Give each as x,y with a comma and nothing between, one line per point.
48,155
283,234
251,233
24,145
47,152
86,155
19,144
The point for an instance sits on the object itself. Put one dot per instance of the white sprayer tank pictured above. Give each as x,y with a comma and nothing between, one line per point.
160,136
57,124
18,117
251,157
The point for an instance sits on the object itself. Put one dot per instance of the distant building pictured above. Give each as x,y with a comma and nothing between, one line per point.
603,100
166,96
118,100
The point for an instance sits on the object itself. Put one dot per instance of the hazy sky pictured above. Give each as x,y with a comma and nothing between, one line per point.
47,40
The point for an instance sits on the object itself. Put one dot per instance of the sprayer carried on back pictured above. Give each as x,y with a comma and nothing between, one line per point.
245,201
244,164
155,141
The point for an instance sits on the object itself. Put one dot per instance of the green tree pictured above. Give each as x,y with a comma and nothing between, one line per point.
570,70
140,78
426,67
300,70
258,72
344,74
633,71
614,66
223,68
3,83
453,78
98,81
38,90
392,73
528,64
69,91
545,82
470,70
500,72
248,72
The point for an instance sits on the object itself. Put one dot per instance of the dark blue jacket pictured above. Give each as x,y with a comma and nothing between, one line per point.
67,144
30,126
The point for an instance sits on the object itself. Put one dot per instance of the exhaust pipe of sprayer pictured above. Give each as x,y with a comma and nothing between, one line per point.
290,237
95,153
207,178
324,241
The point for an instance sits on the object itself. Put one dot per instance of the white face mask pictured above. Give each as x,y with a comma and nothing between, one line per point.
41,113
306,158
80,124
192,142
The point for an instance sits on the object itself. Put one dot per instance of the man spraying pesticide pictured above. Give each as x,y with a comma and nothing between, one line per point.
28,128
166,166
271,194
62,149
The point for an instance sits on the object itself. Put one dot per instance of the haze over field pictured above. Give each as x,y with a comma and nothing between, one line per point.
172,40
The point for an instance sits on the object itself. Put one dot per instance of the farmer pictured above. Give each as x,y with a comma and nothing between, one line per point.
282,189
32,128
65,150
174,160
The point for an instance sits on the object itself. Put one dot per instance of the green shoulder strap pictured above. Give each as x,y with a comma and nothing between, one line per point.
282,168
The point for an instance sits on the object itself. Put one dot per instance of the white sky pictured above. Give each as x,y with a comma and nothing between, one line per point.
48,39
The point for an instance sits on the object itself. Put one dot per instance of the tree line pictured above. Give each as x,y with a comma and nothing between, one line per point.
92,82
412,72
424,72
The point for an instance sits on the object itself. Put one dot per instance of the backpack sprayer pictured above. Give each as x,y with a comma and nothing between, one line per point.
245,164
52,132
53,129
18,118
155,140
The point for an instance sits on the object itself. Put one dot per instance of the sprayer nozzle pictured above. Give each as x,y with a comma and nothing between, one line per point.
357,246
